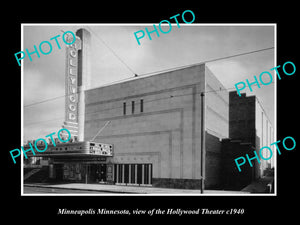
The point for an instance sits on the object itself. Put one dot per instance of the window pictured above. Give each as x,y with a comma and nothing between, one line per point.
124,108
132,107
142,105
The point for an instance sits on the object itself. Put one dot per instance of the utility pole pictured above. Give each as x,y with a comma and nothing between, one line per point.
202,161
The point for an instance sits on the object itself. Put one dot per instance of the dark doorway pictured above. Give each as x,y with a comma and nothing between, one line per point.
139,173
97,173
92,173
102,172
59,170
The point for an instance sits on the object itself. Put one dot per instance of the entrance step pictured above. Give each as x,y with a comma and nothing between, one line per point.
38,176
30,173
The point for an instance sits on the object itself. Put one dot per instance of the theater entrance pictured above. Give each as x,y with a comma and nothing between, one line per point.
98,173
133,174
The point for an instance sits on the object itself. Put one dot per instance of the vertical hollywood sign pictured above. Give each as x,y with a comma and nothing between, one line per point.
72,80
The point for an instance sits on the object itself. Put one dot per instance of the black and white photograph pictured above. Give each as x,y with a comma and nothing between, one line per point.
159,115
146,113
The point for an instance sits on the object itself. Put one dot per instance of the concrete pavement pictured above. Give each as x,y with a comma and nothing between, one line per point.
123,189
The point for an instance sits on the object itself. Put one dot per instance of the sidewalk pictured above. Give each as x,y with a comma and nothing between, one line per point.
121,189
260,185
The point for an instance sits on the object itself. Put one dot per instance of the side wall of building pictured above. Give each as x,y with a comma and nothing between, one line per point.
242,117
217,127
153,120
249,123
217,106
242,138
265,137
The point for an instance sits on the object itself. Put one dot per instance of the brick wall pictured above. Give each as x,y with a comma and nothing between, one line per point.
231,178
242,117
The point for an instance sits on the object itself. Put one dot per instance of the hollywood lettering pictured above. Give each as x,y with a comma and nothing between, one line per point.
72,79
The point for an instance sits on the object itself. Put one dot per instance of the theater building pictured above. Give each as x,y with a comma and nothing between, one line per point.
155,126
163,129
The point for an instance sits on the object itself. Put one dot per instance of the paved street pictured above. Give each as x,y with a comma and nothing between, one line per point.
79,188
46,190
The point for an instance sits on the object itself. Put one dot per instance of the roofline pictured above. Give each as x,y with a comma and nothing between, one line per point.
145,75
257,99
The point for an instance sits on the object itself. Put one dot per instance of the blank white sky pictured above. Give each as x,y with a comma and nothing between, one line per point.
44,77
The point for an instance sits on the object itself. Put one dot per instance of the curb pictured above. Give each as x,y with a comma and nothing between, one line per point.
78,189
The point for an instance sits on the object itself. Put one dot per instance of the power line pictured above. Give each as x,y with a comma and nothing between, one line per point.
46,100
208,61
236,55
106,109
115,54
119,107
61,96
165,70
50,99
